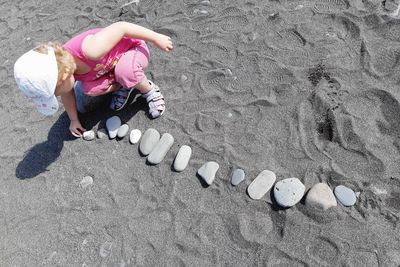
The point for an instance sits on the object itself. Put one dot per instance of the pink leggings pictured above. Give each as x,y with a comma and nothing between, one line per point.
128,72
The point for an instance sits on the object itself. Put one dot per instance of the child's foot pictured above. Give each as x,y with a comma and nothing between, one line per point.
120,98
155,100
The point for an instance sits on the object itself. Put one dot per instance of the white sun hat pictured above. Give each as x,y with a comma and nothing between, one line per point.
36,75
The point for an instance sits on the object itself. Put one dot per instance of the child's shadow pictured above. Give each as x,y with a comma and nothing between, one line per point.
40,156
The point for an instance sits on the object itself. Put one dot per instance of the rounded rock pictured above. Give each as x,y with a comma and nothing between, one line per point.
208,171
321,196
123,130
88,135
261,184
237,177
288,192
113,125
101,133
134,136
149,140
161,149
182,158
345,195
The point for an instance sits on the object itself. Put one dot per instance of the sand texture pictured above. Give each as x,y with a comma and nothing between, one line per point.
306,89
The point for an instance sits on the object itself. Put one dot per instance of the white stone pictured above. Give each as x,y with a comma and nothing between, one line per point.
113,125
288,192
101,133
182,158
88,135
161,149
208,171
123,130
261,184
321,196
134,136
149,140
86,181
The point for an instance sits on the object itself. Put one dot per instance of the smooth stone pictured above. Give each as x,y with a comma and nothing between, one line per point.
182,158
101,133
113,125
123,130
288,192
161,149
237,177
149,140
208,171
261,184
88,135
86,181
321,196
134,136
345,195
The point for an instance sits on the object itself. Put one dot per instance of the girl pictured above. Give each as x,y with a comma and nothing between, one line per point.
112,59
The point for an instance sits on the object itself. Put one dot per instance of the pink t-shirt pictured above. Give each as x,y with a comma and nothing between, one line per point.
103,65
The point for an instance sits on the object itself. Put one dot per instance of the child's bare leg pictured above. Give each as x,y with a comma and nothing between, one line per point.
144,87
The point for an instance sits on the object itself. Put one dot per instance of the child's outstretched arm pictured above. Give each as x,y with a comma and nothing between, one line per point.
97,45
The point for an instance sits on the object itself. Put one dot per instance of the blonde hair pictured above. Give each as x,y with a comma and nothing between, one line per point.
65,62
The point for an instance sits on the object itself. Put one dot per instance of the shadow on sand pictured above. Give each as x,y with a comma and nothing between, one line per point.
39,157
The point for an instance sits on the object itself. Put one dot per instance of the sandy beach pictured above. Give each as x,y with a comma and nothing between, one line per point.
306,89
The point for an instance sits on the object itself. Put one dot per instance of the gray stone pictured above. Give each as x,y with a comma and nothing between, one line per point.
237,177
321,196
182,158
113,125
345,195
161,149
134,136
288,192
123,130
208,171
261,184
101,133
86,181
88,135
149,140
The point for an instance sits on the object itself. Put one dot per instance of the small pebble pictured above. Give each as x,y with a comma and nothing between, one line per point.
261,184
161,149
345,195
321,196
101,133
123,130
88,135
237,177
134,136
182,158
86,181
149,140
208,171
288,192
113,125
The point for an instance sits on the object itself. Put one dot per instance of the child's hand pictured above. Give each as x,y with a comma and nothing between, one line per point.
76,128
163,42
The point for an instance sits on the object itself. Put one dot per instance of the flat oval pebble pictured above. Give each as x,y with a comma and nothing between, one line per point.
88,135
208,171
149,140
134,136
321,196
261,184
86,181
113,125
237,177
345,195
101,133
161,149
288,192
123,130
182,158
